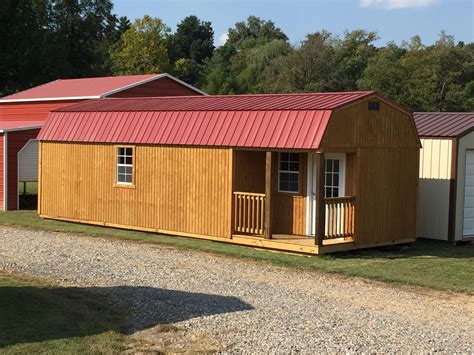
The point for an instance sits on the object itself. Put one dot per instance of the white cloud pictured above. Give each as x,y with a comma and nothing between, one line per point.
222,39
395,4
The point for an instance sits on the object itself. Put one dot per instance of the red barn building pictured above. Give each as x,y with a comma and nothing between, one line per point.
23,114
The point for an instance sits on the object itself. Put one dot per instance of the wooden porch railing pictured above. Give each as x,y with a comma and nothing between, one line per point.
249,212
340,213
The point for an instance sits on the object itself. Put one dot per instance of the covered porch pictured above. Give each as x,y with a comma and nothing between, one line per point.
294,201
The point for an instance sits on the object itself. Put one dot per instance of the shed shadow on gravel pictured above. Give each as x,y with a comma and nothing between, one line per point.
33,314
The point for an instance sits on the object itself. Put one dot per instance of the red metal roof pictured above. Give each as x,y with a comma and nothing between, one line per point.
84,88
309,101
443,124
6,126
292,121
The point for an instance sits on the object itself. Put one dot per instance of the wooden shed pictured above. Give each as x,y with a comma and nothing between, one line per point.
23,114
311,173
446,175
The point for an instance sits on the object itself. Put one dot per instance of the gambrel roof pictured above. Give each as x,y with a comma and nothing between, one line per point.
289,121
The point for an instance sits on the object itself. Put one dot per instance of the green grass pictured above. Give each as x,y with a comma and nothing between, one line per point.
31,188
429,264
40,318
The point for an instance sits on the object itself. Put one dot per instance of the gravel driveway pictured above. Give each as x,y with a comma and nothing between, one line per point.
237,306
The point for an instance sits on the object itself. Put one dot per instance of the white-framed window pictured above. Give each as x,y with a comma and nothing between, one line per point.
334,175
289,172
125,165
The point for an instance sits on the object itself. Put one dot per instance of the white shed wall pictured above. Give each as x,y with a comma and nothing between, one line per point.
434,188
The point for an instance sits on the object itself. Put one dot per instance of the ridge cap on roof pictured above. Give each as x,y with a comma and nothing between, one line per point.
109,76
241,95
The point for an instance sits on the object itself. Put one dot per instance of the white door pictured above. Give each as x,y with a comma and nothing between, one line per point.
468,225
334,185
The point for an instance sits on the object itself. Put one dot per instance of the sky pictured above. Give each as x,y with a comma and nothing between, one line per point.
393,20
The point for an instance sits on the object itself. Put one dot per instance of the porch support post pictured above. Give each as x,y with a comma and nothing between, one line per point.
268,196
320,206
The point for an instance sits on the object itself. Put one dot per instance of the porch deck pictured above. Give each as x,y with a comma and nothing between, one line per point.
294,243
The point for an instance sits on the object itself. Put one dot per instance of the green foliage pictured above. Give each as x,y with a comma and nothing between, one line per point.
248,59
142,48
189,47
424,78
42,40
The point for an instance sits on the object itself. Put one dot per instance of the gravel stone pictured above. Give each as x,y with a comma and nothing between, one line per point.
240,306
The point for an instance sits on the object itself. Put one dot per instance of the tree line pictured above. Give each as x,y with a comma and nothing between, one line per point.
42,40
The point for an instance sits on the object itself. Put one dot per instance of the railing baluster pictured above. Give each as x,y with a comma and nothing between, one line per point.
249,212
340,217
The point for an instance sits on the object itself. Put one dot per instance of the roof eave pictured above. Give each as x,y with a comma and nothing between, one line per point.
50,99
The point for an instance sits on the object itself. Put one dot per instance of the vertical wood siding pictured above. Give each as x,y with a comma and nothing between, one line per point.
16,141
182,190
385,169
355,126
2,172
249,175
387,196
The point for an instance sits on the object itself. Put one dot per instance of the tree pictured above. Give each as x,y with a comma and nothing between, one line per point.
190,46
83,31
353,53
312,67
142,48
424,78
256,31
386,74
24,45
238,66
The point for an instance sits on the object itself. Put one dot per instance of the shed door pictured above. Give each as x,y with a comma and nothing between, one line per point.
28,162
468,227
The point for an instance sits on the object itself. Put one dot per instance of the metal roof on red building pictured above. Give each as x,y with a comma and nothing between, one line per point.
289,121
8,126
443,124
85,88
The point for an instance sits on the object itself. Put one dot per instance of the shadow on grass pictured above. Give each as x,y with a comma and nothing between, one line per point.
34,314
421,248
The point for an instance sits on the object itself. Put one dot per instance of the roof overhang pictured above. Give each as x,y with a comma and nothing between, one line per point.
108,93
22,128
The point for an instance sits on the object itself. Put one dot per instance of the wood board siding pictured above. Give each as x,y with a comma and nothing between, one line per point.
30,111
249,171
385,169
177,190
2,172
160,87
387,196
355,126
16,141
436,177
289,210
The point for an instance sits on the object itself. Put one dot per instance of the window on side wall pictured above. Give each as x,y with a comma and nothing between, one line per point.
125,165
289,172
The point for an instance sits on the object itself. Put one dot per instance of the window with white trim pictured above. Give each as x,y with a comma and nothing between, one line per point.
289,172
125,165
331,178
